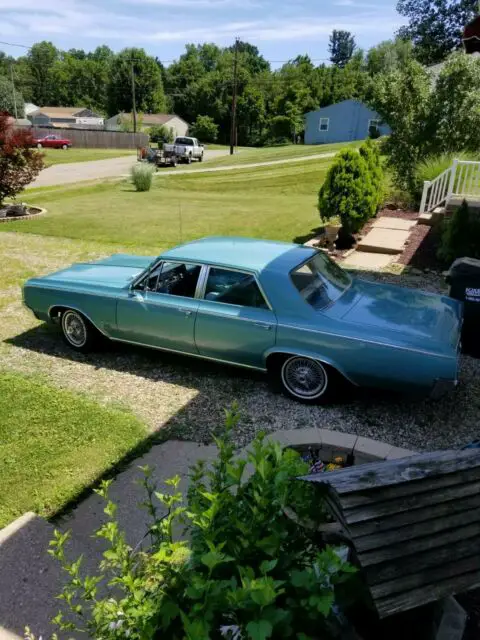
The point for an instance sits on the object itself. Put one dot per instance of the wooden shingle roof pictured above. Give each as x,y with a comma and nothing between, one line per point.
414,524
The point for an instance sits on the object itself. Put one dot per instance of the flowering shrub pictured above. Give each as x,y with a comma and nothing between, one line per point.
19,162
248,570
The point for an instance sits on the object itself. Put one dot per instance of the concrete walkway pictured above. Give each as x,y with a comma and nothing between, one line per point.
382,244
30,579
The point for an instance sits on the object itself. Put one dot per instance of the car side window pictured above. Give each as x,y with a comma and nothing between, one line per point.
173,278
234,287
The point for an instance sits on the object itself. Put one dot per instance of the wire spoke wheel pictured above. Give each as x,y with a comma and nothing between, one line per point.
304,378
74,328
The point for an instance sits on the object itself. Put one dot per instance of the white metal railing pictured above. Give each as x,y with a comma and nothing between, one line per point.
462,180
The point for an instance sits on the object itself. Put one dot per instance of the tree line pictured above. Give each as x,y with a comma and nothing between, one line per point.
271,103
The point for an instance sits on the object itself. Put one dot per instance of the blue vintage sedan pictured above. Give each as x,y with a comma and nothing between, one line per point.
281,308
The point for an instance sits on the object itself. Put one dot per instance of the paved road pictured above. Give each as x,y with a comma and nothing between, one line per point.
95,169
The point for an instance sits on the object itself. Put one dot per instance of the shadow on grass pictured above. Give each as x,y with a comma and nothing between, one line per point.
318,231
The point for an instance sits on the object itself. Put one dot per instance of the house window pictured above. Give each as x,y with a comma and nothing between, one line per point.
374,128
324,124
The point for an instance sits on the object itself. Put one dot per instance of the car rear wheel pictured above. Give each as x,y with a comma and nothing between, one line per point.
39,145
77,331
200,159
305,379
189,159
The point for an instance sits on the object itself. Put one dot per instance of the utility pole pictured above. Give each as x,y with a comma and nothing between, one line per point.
233,131
14,92
134,105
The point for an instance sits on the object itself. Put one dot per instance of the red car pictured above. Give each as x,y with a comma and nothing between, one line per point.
53,142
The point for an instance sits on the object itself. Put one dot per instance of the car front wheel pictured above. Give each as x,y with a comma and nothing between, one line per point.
306,380
64,146
39,145
77,331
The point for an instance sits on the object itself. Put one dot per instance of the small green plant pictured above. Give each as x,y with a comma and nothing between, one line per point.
205,129
461,235
249,570
348,192
142,176
370,152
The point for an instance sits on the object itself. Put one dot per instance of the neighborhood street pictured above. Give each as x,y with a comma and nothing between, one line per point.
95,169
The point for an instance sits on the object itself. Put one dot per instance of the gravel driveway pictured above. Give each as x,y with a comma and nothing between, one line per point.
189,395
95,169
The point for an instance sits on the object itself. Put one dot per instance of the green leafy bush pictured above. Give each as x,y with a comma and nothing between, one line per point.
249,570
370,152
461,235
348,192
205,129
142,176
161,134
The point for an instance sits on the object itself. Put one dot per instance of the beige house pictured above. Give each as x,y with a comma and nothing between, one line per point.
146,120
64,117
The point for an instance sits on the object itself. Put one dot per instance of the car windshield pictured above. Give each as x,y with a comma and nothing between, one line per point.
187,141
320,281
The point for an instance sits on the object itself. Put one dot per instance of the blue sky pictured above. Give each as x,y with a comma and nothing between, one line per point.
279,28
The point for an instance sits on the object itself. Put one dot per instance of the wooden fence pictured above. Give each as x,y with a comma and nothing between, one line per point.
96,139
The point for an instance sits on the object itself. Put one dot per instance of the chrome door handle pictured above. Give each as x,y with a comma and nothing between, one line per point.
267,327
187,312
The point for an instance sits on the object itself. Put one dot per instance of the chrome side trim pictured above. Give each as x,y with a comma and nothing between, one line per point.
69,306
367,341
219,314
193,355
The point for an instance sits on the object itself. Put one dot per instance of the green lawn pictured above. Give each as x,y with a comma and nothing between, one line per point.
247,155
53,443
277,202
62,156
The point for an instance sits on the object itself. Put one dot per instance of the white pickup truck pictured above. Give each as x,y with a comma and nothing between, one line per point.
185,149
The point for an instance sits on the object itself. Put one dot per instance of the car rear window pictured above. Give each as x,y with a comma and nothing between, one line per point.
320,281
186,141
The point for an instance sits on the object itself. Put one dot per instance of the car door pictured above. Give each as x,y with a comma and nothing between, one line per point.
160,310
235,322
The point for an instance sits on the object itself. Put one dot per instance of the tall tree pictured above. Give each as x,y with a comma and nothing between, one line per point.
149,94
435,26
40,60
342,46
388,56
11,101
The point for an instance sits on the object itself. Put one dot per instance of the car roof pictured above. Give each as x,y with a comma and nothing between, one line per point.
242,253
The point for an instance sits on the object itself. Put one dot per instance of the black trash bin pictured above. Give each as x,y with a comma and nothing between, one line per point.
464,280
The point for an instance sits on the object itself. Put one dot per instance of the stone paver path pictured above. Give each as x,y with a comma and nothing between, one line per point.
367,261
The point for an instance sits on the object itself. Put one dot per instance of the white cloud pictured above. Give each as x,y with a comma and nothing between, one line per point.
79,20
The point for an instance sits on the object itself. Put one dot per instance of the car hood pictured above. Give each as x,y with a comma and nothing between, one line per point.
116,272
404,316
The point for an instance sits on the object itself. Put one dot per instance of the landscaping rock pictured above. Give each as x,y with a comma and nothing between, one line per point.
17,210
